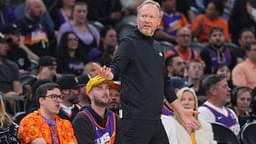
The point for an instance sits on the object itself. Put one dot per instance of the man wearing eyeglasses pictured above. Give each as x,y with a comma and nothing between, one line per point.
44,126
96,124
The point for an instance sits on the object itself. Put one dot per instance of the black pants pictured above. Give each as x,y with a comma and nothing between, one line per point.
143,132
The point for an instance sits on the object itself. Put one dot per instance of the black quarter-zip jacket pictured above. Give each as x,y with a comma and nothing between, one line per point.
139,64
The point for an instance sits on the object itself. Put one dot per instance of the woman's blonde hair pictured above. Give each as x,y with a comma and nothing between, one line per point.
5,119
181,92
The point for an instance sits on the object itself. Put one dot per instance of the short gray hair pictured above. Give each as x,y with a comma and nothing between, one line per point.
151,2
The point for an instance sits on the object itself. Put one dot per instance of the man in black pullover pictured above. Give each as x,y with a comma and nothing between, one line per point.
139,63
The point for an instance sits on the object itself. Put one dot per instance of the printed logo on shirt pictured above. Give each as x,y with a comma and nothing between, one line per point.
104,139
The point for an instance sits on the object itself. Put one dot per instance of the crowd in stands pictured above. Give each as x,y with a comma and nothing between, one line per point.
50,91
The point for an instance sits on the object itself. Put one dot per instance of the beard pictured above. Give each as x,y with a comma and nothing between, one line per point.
100,103
73,99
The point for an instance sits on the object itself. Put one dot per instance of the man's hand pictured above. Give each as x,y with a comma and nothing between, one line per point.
104,71
187,118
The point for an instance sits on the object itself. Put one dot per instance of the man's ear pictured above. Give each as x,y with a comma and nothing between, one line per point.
41,100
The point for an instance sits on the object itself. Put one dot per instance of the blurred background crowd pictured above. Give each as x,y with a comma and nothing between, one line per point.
61,41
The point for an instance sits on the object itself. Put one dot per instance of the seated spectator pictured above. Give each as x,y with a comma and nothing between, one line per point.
177,134
90,69
35,35
241,101
16,52
70,90
214,109
7,14
203,23
108,43
70,59
8,129
224,70
62,12
175,66
239,54
241,18
46,71
83,98
195,69
44,126
216,53
95,123
9,74
88,35
108,12
114,96
244,73
183,49
171,22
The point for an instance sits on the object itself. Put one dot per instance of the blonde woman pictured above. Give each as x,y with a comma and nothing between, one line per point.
177,134
8,129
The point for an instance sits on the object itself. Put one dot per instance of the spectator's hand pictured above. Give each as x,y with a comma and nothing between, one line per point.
188,119
11,93
104,72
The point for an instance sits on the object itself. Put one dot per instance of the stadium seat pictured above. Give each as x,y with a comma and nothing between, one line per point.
248,133
223,135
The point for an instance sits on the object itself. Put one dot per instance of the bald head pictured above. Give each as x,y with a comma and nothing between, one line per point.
34,9
184,37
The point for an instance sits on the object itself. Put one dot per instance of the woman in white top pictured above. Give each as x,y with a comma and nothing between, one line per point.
177,134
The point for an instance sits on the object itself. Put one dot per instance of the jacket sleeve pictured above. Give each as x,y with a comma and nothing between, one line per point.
122,58
169,91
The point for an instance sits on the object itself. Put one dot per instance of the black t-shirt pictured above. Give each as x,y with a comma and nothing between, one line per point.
36,36
19,56
84,130
71,66
238,54
9,73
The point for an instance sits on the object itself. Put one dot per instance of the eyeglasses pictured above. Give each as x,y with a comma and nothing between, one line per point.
72,39
55,97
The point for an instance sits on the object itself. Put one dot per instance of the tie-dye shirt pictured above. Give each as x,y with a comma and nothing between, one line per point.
34,126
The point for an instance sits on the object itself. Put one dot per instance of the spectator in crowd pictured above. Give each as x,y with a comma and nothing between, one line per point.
16,53
241,101
108,44
214,109
107,12
44,125
114,96
183,49
244,73
203,23
83,98
46,71
69,57
241,17
62,12
7,14
88,35
224,70
216,52
175,66
36,36
8,129
195,69
239,54
130,6
70,90
177,134
47,68
171,22
95,123
9,74
90,69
